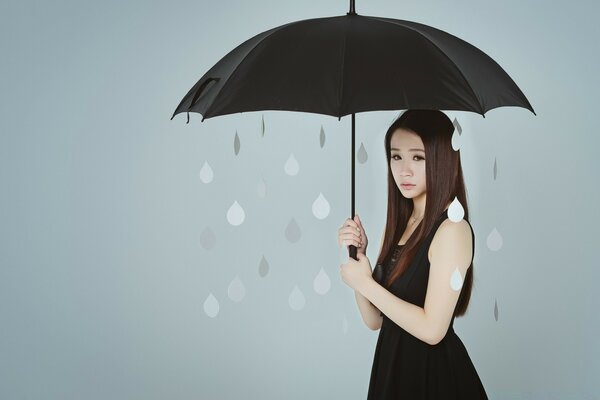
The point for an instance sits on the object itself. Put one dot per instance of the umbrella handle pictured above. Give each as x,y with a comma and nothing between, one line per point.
352,252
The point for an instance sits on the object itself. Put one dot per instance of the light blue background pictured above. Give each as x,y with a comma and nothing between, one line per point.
102,274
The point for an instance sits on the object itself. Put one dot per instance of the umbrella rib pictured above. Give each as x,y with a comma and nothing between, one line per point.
424,35
341,92
274,30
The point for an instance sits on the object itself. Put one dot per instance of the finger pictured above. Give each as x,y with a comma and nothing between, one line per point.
351,223
352,240
351,233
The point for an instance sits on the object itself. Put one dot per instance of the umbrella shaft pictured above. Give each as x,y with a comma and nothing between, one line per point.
352,249
353,152
352,10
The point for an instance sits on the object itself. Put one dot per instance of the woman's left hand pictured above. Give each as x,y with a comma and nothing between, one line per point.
355,273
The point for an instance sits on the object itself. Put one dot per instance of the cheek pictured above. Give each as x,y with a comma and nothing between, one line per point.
422,175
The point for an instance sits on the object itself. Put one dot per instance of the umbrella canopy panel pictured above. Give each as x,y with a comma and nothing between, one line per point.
348,64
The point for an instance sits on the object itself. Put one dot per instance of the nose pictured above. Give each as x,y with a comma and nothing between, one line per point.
405,169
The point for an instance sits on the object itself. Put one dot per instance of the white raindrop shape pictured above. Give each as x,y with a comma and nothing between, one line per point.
320,207
236,290
262,188
322,137
296,299
206,173
495,168
292,231
235,214
263,267
236,144
344,324
457,126
262,128
456,280
494,240
207,238
456,212
291,165
211,306
455,140
362,155
496,310
322,283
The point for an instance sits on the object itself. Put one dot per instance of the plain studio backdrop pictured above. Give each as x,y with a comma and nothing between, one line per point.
123,274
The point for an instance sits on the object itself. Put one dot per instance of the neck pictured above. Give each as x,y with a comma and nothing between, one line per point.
419,206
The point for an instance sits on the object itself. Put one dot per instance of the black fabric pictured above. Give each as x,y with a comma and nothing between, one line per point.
348,64
405,367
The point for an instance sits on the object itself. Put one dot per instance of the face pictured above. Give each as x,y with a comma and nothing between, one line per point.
407,163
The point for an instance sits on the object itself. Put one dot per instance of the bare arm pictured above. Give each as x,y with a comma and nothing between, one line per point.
370,314
451,253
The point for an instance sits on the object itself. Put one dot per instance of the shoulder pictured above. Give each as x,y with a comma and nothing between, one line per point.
453,239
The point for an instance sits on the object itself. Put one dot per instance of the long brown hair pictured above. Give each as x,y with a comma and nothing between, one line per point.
444,180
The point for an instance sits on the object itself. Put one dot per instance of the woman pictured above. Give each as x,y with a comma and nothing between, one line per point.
425,265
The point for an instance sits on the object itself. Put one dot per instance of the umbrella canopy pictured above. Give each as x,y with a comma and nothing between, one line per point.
347,64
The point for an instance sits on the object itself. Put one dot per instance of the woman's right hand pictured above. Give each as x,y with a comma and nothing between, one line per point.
353,233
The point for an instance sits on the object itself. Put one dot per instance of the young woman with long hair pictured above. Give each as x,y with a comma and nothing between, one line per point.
424,272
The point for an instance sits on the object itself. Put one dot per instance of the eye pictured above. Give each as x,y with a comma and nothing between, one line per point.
395,155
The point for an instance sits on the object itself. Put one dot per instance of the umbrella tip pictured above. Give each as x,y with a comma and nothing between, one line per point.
352,11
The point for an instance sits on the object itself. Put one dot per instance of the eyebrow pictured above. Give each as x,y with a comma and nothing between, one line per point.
393,148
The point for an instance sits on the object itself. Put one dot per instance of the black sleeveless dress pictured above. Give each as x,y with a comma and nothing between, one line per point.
404,367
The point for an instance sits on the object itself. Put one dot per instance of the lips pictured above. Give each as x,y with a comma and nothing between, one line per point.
406,185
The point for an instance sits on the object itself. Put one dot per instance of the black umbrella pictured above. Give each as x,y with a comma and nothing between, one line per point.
347,64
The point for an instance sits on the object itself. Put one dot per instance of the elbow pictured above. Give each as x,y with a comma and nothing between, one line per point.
436,337
434,341
377,325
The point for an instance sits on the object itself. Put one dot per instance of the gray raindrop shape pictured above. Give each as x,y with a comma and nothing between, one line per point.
322,137
292,231
262,128
495,168
262,188
236,144
362,155
263,267
496,310
296,300
207,238
455,141
457,126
